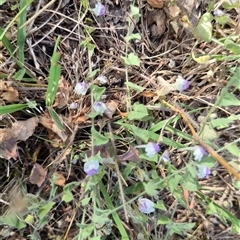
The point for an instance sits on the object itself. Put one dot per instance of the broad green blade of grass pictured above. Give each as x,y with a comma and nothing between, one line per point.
56,118
21,32
12,108
6,42
54,76
116,218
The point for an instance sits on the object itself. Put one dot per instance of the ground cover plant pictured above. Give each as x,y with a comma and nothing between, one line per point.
120,119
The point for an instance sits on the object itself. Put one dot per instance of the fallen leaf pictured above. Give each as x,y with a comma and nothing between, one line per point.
8,93
48,123
63,93
24,129
8,149
156,3
111,108
38,175
131,155
20,130
59,179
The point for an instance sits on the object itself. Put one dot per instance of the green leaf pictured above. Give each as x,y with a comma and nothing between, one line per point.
222,19
227,99
2,2
208,133
21,31
139,112
56,118
92,74
67,195
133,36
97,92
134,12
233,149
204,28
20,74
12,220
45,209
85,201
190,183
98,139
150,189
135,86
54,76
163,220
160,205
12,108
173,182
231,46
131,60
179,228
234,81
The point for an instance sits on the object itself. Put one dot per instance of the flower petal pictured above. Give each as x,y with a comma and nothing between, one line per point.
99,107
91,167
151,149
81,88
203,172
99,9
181,84
145,205
199,152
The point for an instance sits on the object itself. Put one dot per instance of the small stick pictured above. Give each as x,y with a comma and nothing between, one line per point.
210,150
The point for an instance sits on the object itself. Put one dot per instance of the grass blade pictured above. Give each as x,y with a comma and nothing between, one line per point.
12,108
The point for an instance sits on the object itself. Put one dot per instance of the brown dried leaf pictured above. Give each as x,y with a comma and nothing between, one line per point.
20,130
48,123
111,108
8,149
9,93
38,175
24,129
131,155
63,93
156,3
59,179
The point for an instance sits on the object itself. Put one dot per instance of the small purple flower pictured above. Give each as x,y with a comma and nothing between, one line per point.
151,149
165,157
181,84
218,12
81,88
73,105
199,152
99,107
99,9
145,205
203,172
91,167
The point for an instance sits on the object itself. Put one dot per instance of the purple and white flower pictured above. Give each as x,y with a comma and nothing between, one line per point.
199,152
91,167
99,107
81,88
218,12
99,9
152,149
73,105
165,157
203,172
181,84
145,205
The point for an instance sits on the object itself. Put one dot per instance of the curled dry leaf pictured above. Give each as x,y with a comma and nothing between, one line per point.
7,92
156,3
131,155
38,175
59,179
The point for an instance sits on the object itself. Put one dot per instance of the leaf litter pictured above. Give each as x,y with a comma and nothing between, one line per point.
62,147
